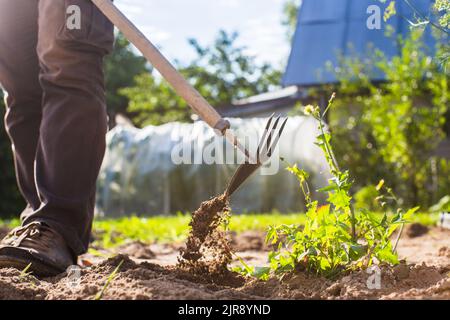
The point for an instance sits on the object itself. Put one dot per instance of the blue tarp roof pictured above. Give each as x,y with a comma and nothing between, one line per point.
327,28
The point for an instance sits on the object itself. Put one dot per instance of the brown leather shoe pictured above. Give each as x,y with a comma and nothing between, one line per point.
38,244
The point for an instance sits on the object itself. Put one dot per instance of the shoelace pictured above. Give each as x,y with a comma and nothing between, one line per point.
29,231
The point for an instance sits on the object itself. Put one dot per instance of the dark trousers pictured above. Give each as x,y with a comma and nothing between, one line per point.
52,73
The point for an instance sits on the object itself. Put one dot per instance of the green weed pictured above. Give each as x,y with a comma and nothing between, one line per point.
110,279
335,237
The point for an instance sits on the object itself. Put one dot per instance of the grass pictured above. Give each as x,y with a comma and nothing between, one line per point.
167,229
110,279
24,273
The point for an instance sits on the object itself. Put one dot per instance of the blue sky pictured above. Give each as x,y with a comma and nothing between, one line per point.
169,23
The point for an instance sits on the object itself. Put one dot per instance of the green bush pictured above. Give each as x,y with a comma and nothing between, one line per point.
391,130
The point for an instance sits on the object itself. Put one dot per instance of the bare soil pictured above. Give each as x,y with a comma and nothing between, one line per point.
150,272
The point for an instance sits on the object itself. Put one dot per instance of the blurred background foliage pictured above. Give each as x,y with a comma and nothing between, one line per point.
11,202
290,11
121,68
391,130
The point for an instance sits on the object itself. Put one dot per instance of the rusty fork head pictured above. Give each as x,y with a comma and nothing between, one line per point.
267,144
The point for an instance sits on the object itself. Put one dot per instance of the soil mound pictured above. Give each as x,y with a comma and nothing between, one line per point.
249,241
137,249
414,230
150,281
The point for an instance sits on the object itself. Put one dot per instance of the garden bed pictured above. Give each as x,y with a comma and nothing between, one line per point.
147,272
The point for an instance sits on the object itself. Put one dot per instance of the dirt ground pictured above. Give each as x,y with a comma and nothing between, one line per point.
147,272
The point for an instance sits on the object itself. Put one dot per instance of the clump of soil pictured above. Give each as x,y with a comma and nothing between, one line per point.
207,250
414,230
137,249
249,241
444,252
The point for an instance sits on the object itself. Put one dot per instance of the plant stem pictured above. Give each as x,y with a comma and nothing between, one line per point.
24,272
332,161
334,166
307,193
398,237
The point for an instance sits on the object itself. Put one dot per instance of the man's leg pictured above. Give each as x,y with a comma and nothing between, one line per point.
74,122
19,71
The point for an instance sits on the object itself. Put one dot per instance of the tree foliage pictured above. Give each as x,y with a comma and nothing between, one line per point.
443,7
121,68
221,72
440,10
290,11
392,129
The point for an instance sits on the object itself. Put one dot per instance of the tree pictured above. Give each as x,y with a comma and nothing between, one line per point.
290,11
221,72
121,68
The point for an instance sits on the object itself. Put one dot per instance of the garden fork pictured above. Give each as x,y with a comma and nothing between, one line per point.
263,153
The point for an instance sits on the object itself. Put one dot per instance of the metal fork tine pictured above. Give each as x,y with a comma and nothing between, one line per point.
277,138
246,170
269,138
263,138
270,131
268,151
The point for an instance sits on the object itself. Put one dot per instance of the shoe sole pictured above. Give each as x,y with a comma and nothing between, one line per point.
37,268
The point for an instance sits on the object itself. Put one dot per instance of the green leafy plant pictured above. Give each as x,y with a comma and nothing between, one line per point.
366,197
443,205
335,237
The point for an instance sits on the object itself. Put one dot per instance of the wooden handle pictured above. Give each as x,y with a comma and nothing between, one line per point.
176,80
